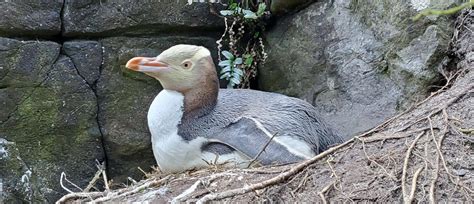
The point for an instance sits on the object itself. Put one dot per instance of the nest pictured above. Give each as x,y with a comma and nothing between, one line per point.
424,154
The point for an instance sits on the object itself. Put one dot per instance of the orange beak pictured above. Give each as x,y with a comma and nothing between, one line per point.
145,64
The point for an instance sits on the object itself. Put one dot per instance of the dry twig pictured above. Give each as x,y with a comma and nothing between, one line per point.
262,150
405,166
124,193
376,163
63,177
413,186
324,190
79,195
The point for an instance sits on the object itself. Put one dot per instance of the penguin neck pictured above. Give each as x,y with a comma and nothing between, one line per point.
201,100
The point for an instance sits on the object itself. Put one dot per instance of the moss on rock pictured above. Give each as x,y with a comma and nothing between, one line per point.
51,120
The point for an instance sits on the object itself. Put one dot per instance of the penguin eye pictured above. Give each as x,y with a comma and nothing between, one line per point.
187,64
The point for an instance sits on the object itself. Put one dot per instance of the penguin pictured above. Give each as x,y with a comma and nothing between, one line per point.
194,123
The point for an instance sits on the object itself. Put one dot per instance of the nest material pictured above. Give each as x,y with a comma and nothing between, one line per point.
424,154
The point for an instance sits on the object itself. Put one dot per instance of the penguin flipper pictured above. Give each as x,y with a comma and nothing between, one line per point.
249,137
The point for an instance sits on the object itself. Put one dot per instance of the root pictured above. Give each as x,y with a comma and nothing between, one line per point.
443,161
281,177
406,199
413,186
436,170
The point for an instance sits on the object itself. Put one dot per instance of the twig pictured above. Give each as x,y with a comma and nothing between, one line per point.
94,180
259,171
302,182
100,169
106,183
443,161
395,135
405,166
446,105
272,181
454,99
79,195
219,42
262,150
449,81
63,177
186,192
383,124
143,172
134,182
469,131
436,171
376,163
135,190
324,190
413,185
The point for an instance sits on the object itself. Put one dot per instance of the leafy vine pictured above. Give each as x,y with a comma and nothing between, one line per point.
241,45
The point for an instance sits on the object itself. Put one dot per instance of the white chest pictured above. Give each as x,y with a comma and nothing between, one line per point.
172,153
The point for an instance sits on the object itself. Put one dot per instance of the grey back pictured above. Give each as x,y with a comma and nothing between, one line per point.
280,114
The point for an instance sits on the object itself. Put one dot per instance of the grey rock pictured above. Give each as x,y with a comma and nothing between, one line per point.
87,57
278,7
358,62
14,174
88,17
124,98
30,17
463,47
50,113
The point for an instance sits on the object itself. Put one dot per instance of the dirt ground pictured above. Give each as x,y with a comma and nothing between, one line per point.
425,154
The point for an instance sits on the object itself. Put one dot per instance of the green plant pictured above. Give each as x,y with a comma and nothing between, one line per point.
230,69
450,11
242,42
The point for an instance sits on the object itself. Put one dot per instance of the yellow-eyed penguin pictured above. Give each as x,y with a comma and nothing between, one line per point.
194,123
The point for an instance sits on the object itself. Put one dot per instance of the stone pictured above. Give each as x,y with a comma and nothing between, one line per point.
14,174
86,56
106,18
358,62
30,18
279,7
50,114
124,98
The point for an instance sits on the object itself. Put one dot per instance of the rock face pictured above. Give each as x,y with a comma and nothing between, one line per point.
87,58
279,7
358,62
48,118
124,99
25,17
86,17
